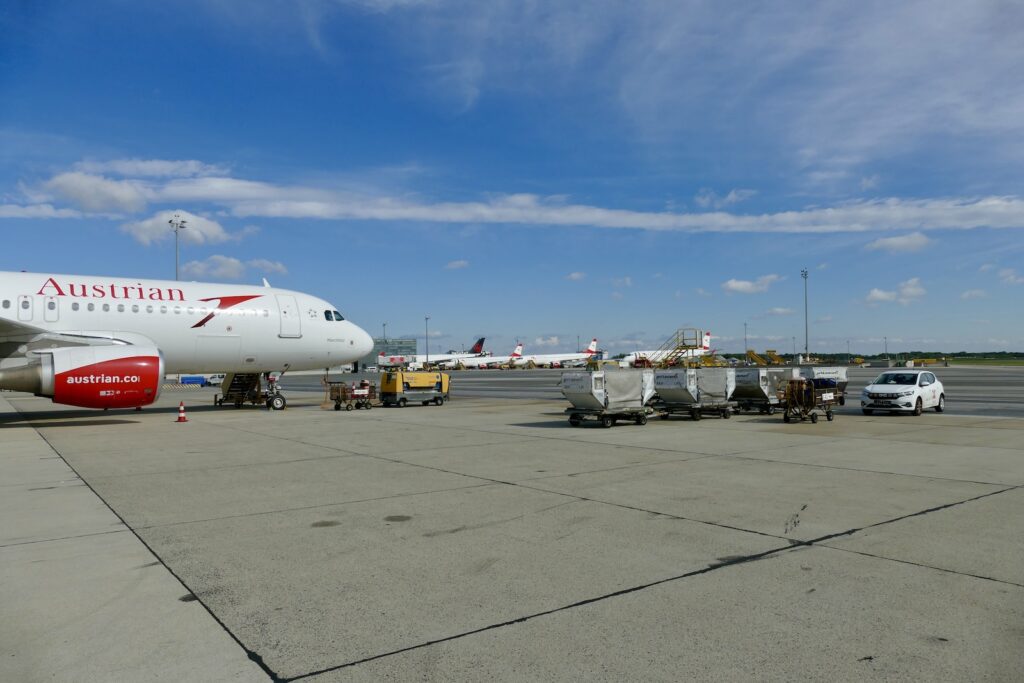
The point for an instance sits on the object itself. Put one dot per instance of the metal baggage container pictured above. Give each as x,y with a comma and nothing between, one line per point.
753,385
677,386
716,384
609,390
830,377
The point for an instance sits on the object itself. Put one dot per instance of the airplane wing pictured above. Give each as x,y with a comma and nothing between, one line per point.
18,339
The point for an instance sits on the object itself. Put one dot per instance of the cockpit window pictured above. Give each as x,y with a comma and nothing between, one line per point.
327,314
338,316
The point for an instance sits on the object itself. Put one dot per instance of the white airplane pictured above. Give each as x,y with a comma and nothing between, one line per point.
657,355
488,361
447,359
556,360
103,342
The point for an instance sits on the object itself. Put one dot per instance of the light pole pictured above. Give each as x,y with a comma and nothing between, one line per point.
385,333
886,341
807,327
177,224
745,347
577,343
849,356
426,336
794,349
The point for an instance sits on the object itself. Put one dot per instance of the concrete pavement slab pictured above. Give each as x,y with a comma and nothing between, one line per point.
790,501
982,538
311,589
810,614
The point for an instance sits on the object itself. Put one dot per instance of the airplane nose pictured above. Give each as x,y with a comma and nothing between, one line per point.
364,342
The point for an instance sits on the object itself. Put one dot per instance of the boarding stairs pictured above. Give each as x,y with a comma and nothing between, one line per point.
239,387
679,348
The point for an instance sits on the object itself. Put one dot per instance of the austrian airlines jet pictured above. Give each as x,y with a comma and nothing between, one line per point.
655,356
100,342
556,360
489,361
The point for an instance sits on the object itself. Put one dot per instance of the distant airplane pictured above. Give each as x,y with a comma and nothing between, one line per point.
556,360
102,342
443,358
487,361
658,355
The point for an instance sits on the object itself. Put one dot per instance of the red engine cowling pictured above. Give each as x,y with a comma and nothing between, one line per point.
102,376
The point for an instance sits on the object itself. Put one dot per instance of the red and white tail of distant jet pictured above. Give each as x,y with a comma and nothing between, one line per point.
491,361
448,359
103,342
557,360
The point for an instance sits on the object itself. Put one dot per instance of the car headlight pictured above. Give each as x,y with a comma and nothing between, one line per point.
907,393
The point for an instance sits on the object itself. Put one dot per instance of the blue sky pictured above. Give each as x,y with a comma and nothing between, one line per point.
536,171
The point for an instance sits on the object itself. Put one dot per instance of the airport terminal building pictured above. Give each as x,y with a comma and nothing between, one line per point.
389,346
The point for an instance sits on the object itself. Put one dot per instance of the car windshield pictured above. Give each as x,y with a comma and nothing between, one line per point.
907,378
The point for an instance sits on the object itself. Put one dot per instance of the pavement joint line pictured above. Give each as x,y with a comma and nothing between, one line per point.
922,565
252,655
336,456
741,456
622,467
314,507
64,538
794,545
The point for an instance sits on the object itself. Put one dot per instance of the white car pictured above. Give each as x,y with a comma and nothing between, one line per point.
909,390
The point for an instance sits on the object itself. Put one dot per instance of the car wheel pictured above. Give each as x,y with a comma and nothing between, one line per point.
867,411
919,406
941,405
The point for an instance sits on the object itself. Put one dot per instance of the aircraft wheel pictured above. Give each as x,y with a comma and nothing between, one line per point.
278,402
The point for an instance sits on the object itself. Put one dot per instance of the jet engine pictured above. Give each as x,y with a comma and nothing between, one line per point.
91,376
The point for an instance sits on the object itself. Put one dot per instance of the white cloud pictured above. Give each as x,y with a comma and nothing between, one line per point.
914,241
974,294
707,198
217,267
198,229
36,211
761,284
156,168
822,266
986,267
911,290
547,342
702,292
576,276
823,319
267,266
626,281
98,194
879,295
906,293
456,265
779,311
1009,276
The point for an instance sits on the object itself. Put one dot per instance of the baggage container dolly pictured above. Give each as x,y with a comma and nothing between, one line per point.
351,397
608,418
696,410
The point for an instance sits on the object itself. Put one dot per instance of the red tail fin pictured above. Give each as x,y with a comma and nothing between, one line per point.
479,346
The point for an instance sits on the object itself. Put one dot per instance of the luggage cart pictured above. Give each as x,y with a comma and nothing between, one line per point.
805,401
608,418
352,397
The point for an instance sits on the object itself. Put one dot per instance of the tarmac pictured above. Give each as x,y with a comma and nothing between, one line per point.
488,539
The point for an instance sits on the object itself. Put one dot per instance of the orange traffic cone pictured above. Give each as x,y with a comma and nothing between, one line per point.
181,413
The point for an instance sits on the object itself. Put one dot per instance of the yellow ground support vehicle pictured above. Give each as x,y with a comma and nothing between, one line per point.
400,387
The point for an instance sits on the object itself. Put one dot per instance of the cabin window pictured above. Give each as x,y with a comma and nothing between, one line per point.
106,308
24,304
120,308
191,311
266,313
52,305
149,309
91,307
135,308
338,316
177,310
7,303
74,305
163,309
